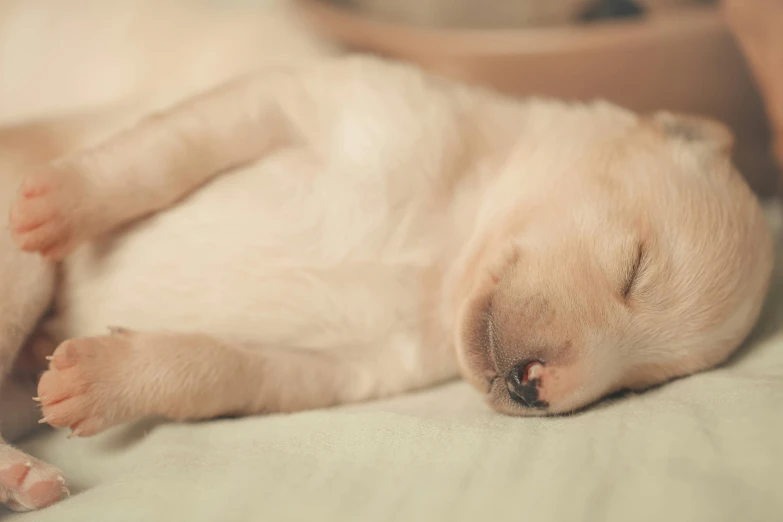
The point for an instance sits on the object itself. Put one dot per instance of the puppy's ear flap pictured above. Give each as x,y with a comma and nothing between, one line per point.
696,130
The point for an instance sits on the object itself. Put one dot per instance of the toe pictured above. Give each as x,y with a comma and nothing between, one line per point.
56,386
30,214
70,412
42,238
68,354
88,427
14,475
38,185
46,492
40,495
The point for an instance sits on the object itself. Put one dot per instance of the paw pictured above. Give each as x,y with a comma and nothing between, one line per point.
82,389
47,216
27,483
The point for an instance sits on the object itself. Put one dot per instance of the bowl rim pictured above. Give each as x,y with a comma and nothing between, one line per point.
350,27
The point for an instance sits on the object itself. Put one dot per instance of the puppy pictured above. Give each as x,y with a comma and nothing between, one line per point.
319,235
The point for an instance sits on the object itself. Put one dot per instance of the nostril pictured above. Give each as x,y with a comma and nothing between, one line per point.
532,371
523,381
525,372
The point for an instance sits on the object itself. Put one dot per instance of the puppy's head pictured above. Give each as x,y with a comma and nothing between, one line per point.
630,254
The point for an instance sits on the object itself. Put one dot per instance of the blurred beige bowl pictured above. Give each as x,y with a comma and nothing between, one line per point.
682,59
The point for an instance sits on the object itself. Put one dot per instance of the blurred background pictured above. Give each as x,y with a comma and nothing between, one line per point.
722,59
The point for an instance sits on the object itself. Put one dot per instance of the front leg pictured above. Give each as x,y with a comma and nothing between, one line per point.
358,112
94,383
155,163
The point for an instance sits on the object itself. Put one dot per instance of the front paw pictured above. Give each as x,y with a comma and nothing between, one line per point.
83,388
49,214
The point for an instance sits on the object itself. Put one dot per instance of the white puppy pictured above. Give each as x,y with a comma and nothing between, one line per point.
325,234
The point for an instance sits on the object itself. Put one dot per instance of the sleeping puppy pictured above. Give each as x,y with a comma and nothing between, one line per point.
326,234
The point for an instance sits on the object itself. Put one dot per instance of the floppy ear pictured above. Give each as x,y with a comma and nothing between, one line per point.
696,130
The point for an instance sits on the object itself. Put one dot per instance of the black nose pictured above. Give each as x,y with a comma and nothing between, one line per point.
523,387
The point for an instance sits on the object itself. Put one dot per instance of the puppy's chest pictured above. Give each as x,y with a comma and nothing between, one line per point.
286,252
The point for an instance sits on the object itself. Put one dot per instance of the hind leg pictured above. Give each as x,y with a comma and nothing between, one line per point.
26,280
26,288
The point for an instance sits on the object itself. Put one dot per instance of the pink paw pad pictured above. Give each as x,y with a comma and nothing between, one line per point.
27,483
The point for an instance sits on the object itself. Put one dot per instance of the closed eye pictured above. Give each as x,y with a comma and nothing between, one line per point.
633,273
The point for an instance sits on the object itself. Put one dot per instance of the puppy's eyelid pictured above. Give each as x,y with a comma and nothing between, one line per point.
633,273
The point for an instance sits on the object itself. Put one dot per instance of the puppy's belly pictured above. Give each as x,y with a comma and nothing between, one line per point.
272,254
